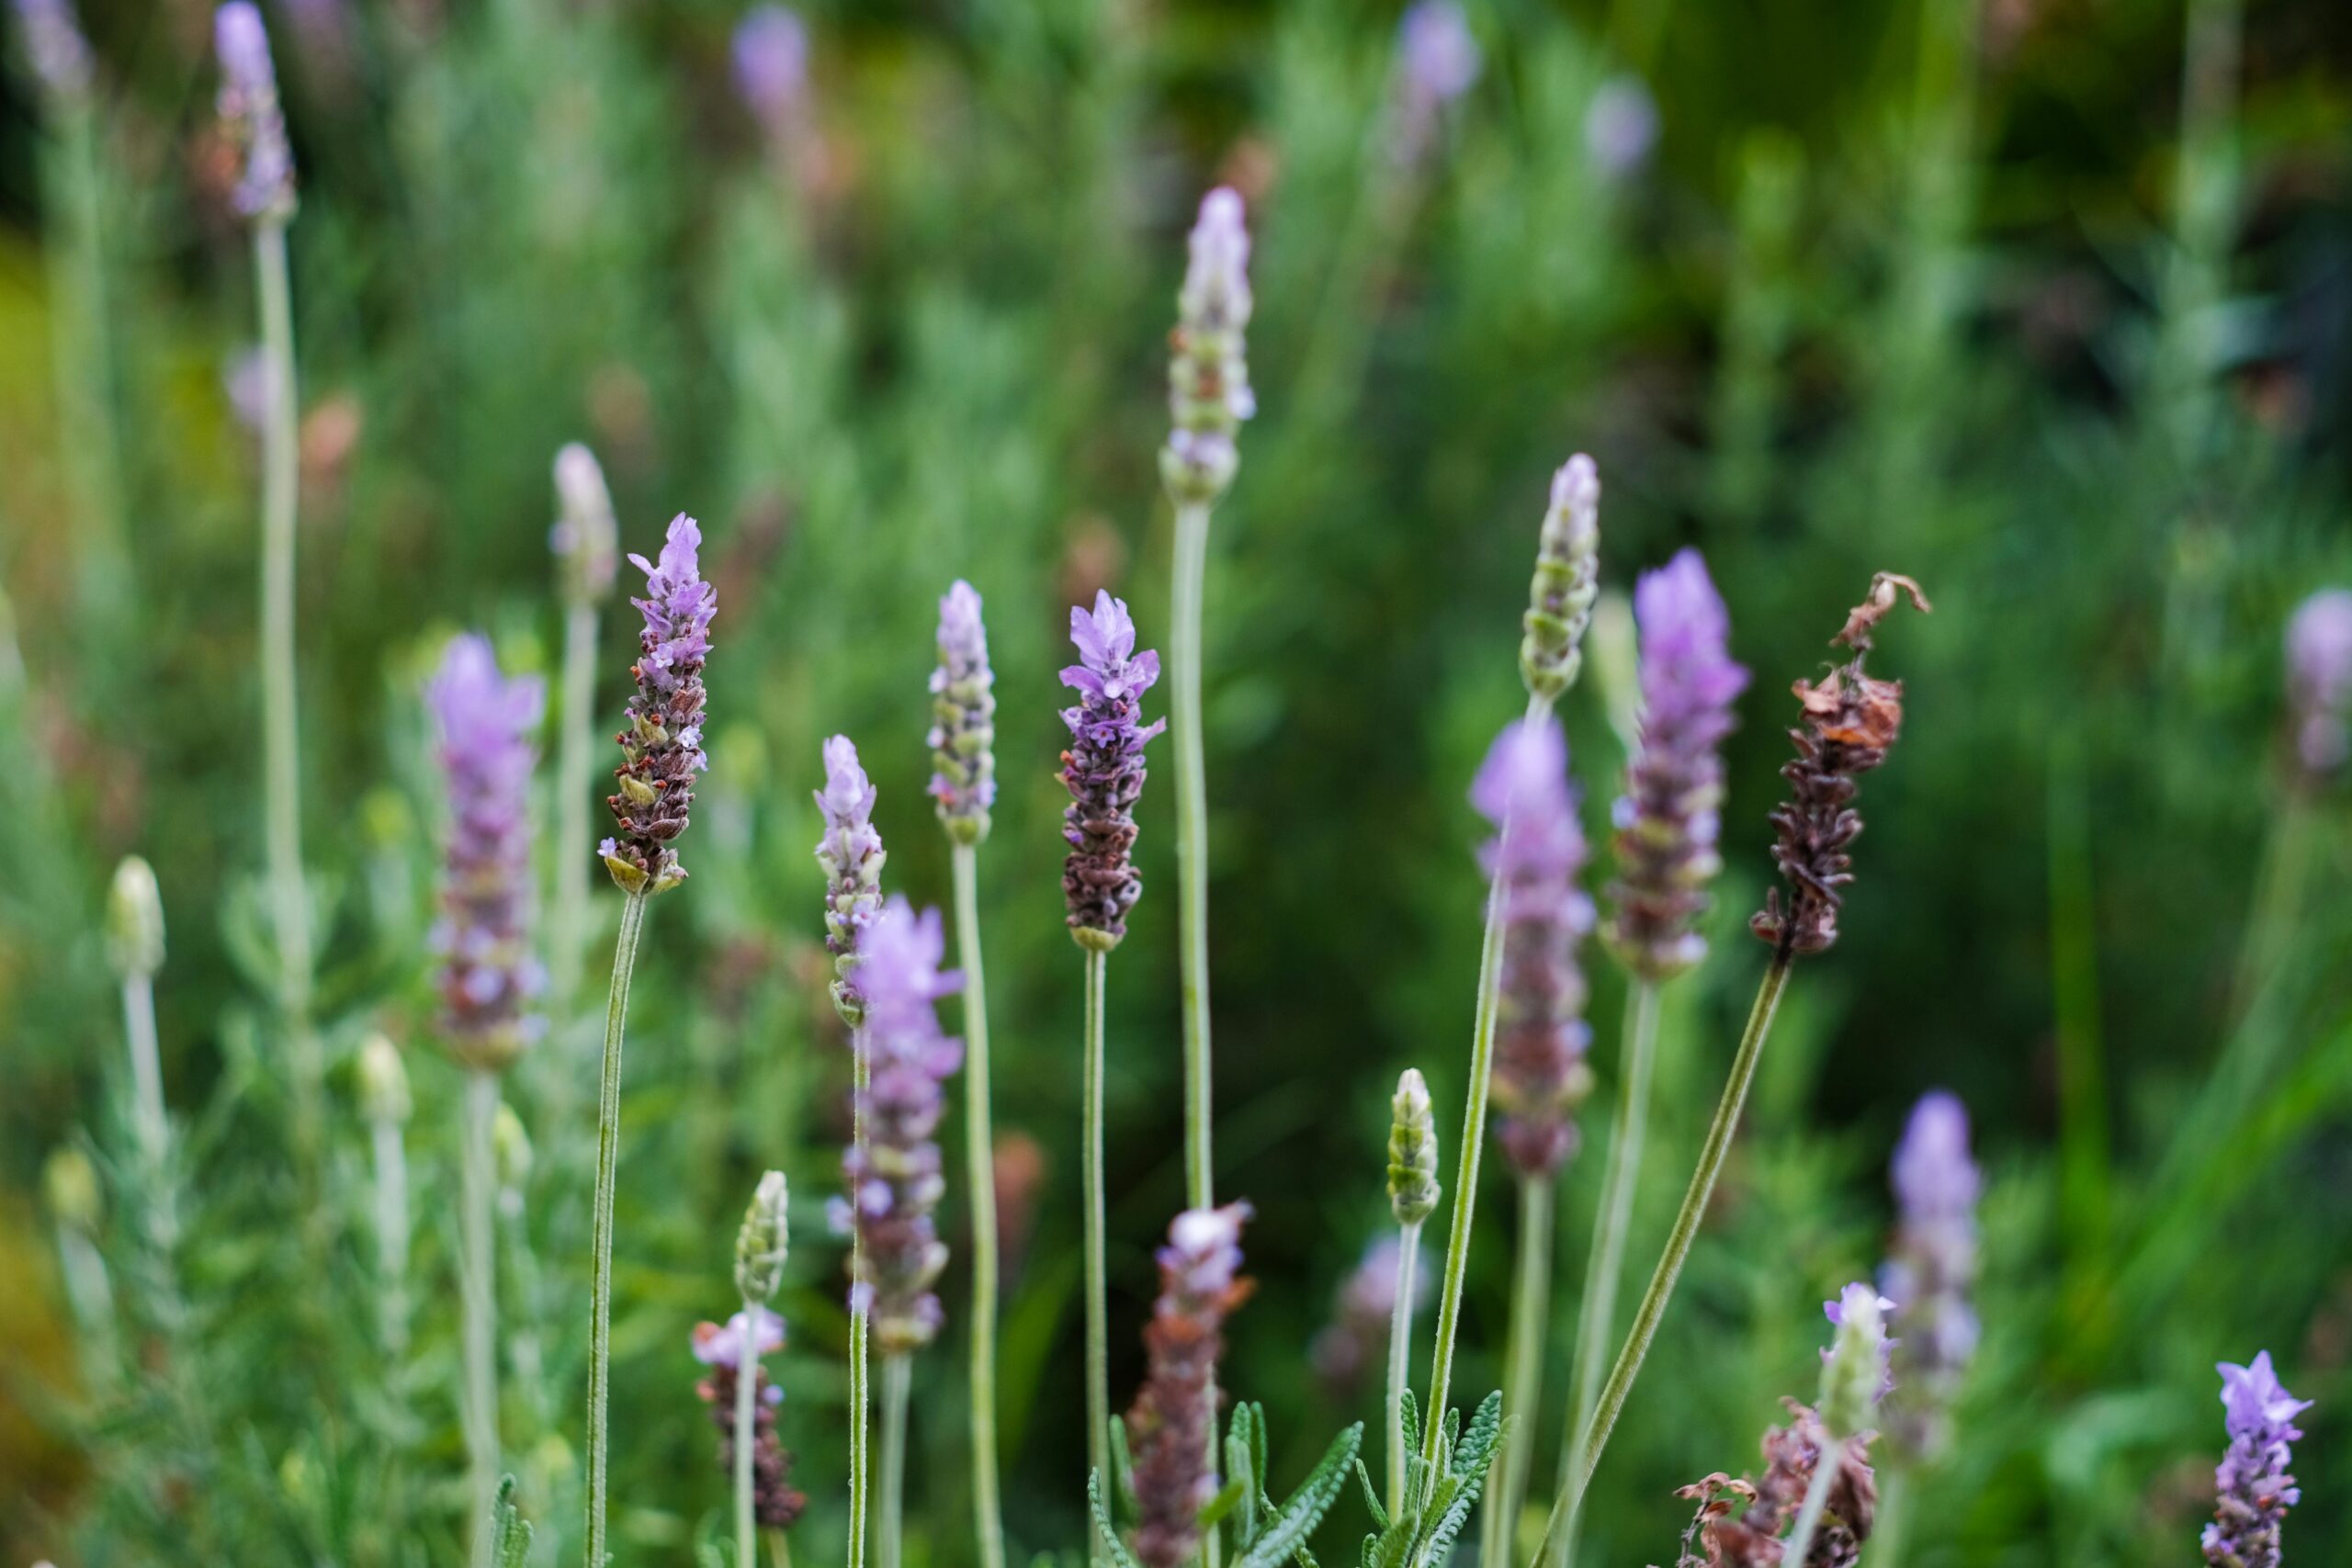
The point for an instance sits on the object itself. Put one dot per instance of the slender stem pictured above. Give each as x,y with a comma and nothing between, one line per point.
897,1372
1597,1312
1098,1306
1816,1497
478,1285
1466,1169
392,1236
1192,846
747,1384
980,1161
1400,1336
860,1398
149,1118
1894,1515
608,1149
1523,1366
779,1549
1651,1307
567,924
85,368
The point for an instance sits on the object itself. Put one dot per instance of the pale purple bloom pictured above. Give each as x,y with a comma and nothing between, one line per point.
963,709
771,64
1931,1269
1208,376
775,1503
584,539
1667,822
1620,127
1172,1419
1854,1370
723,1346
851,855
249,108
248,380
1540,1036
2319,680
1357,1336
54,46
489,975
1438,60
1103,770
2254,1486
662,749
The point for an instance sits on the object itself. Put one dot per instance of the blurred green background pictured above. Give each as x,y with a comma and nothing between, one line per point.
2045,302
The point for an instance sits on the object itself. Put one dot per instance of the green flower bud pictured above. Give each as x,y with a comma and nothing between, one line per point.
135,920
384,1081
512,1146
761,1244
69,1184
1412,1151
1568,576
1854,1374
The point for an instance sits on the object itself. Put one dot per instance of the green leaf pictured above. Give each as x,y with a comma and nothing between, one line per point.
1232,1492
1307,1506
1412,1414
1258,1447
1461,1489
1123,1463
1120,1555
1486,1433
1371,1497
1239,1466
510,1532
1304,1559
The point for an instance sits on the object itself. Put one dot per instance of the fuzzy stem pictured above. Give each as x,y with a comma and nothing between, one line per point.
1400,1359
567,923
1651,1307
1192,845
392,1236
1597,1310
860,1310
608,1140
1816,1497
897,1375
747,1382
149,1118
980,1161
1466,1169
1522,1367
478,1285
1098,1306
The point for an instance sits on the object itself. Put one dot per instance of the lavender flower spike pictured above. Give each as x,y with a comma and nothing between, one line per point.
1103,770
770,63
1539,1072
2319,681
962,709
852,854
662,749
894,1177
1437,61
1567,579
249,111
585,539
1666,821
1934,1263
54,47
2255,1490
776,1504
1208,377
1169,1427
489,975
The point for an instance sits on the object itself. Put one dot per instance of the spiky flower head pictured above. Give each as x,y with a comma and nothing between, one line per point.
384,1081
2319,681
1854,1369
761,1244
770,56
1540,1036
250,113
1929,1274
2254,1488
963,712
1412,1151
1103,770
489,975
894,1177
1567,580
1667,820
1438,60
775,1502
135,920
661,747
1209,374
586,539
54,47
1850,722
851,855
1172,1419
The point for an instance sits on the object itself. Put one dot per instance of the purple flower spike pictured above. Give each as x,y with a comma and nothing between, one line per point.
249,111
963,710
1929,1276
586,539
54,47
1621,126
1170,1426
1667,820
770,63
775,1502
488,974
2319,681
1208,377
894,1178
1438,60
2256,1491
1103,770
1539,1072
851,855
661,747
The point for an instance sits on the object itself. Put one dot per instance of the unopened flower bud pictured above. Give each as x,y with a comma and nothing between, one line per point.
1853,1372
135,920
1568,577
511,1147
1412,1151
761,1244
384,1081
70,1185
586,539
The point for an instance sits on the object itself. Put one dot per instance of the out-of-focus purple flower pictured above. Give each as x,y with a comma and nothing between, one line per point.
323,31
770,63
894,1177
775,1503
250,385
1170,1426
662,749
54,46
1541,1036
851,855
1209,374
2319,680
1930,1271
250,112
1667,820
723,1346
963,712
1357,1336
1566,582
1620,127
1437,60
585,540
488,974
1103,770
2254,1487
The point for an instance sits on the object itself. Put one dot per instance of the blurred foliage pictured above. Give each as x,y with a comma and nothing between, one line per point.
1967,291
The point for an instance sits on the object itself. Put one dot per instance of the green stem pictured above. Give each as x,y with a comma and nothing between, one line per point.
477,1286
149,1119
1466,1169
609,1142
1192,845
979,1158
747,1384
1522,1367
1597,1312
1651,1307
860,1398
1887,1529
1098,1307
84,367
1400,1336
392,1236
897,1372
779,1549
567,923
1816,1497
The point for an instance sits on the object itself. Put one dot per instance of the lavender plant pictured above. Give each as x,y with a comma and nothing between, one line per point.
1853,1377
385,1106
2252,1486
135,947
761,1470
585,543
1413,1193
